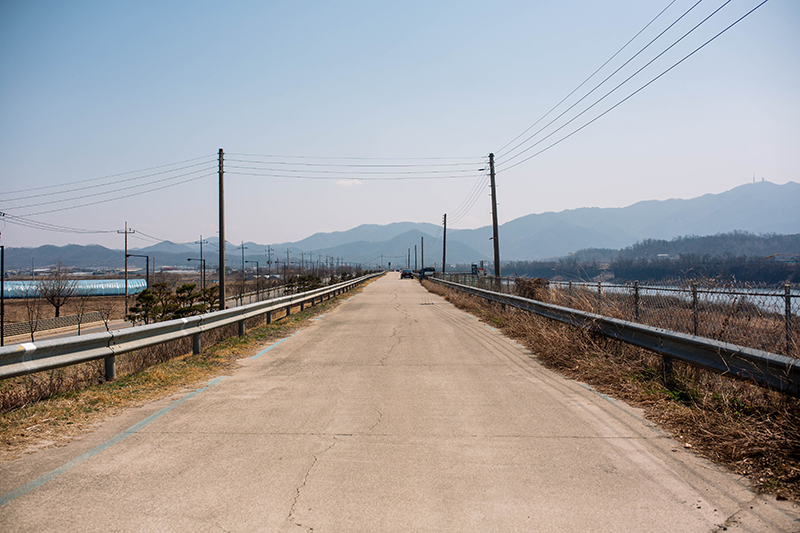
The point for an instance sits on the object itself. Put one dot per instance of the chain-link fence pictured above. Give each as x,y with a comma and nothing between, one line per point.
767,320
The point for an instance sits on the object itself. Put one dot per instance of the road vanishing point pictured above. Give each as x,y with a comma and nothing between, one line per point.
395,411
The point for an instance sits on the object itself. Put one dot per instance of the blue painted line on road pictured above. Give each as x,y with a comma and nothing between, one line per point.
604,396
265,350
490,327
94,451
320,316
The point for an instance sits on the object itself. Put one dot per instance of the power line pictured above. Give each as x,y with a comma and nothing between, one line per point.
471,158
101,185
395,178
590,76
34,224
113,190
109,176
636,91
356,172
501,156
122,197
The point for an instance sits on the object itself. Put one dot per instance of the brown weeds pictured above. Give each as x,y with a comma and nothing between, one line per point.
751,430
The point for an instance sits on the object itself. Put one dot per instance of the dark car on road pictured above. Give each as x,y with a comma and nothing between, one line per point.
406,273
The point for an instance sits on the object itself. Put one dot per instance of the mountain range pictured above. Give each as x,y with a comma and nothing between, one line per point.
761,207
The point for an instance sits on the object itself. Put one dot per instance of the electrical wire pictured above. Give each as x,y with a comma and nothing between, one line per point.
34,224
471,158
102,185
113,190
351,172
121,197
587,79
637,90
503,156
105,177
395,178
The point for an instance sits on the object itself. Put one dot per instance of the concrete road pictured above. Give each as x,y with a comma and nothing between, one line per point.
393,412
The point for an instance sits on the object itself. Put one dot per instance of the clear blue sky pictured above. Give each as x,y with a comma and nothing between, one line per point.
90,89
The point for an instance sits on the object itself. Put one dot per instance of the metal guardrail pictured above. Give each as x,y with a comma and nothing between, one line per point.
28,358
771,370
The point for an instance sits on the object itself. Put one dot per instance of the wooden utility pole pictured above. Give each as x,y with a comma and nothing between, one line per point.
221,230
495,235
444,243
422,253
126,232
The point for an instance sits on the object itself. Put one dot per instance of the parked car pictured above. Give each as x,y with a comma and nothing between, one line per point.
426,272
406,273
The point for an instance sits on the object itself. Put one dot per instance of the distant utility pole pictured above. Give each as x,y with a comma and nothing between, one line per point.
243,275
408,261
444,243
422,252
495,235
126,232
201,242
221,229
415,257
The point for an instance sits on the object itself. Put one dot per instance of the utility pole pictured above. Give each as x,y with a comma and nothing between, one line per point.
495,235
408,261
243,275
221,229
415,257
126,232
287,263
200,242
422,253
444,243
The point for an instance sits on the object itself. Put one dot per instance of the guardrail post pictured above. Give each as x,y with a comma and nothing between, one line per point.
241,328
269,317
787,294
694,307
196,343
599,289
666,363
302,305
110,367
636,299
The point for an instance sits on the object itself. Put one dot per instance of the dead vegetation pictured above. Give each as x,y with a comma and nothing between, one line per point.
753,431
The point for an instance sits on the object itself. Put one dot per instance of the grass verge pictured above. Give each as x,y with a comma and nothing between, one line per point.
55,419
753,431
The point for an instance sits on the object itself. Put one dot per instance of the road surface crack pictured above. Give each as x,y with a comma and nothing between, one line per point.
298,490
397,342
377,422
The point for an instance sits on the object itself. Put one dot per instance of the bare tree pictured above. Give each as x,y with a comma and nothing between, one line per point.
83,305
33,307
104,305
57,288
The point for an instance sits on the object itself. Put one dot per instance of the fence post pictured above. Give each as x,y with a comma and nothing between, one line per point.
636,299
111,367
196,344
787,294
599,289
570,289
666,363
694,306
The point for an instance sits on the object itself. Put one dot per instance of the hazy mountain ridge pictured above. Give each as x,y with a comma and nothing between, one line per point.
758,208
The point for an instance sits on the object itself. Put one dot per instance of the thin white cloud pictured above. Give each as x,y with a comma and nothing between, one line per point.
349,183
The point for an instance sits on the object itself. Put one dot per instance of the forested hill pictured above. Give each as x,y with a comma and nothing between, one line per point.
727,245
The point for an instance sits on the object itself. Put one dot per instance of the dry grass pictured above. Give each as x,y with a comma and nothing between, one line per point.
51,407
753,431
